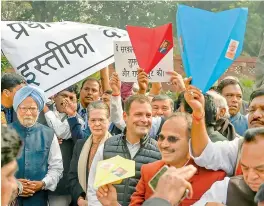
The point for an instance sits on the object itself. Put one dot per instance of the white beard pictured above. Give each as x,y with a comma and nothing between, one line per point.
27,122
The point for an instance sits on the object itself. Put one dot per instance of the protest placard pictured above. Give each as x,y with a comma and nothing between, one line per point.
209,42
54,56
126,64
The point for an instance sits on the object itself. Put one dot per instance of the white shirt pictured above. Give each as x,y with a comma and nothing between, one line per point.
55,166
217,193
116,116
221,155
91,191
61,128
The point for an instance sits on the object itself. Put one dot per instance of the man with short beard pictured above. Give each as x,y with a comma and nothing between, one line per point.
223,155
40,163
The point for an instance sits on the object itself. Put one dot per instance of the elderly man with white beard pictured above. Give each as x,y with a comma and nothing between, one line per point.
40,163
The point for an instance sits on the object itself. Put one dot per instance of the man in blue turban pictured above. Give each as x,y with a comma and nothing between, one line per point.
40,163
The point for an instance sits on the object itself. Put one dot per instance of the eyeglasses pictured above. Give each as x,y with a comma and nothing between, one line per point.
170,139
31,109
100,120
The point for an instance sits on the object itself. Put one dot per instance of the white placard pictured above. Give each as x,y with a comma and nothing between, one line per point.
126,64
53,56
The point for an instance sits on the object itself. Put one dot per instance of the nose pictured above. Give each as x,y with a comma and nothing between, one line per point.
28,112
89,91
252,175
97,123
143,118
165,143
258,113
159,112
234,99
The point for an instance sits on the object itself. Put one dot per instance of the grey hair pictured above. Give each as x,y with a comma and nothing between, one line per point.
186,116
162,97
220,102
98,105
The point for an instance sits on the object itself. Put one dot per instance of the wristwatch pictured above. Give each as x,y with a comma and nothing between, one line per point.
19,187
44,185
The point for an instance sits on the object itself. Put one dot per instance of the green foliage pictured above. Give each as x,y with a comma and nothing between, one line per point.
4,64
248,87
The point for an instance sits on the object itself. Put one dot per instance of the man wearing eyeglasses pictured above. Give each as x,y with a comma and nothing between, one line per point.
173,145
40,164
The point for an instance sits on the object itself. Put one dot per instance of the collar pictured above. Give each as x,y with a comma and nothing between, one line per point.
132,144
80,107
236,117
28,129
143,140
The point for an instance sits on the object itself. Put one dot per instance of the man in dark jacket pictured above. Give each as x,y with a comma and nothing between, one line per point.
133,144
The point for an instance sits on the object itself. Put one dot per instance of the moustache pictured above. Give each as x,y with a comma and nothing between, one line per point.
168,150
257,120
28,118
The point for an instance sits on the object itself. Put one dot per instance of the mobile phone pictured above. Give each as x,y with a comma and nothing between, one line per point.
154,180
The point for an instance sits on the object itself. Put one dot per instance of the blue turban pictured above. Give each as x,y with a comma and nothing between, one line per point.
29,91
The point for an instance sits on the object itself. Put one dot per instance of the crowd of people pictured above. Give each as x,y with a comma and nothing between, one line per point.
212,143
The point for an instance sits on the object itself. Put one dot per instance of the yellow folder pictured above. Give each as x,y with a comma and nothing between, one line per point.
113,171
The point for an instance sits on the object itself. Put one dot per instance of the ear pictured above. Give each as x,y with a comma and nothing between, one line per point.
125,116
6,92
222,112
101,91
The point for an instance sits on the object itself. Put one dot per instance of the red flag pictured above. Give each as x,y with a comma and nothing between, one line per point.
150,45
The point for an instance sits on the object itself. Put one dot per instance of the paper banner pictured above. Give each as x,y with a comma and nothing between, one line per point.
54,56
150,45
126,64
209,42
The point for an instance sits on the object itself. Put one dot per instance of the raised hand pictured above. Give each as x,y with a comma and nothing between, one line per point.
69,107
142,81
115,84
195,99
178,82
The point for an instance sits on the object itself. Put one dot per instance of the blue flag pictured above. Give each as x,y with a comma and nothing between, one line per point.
209,42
